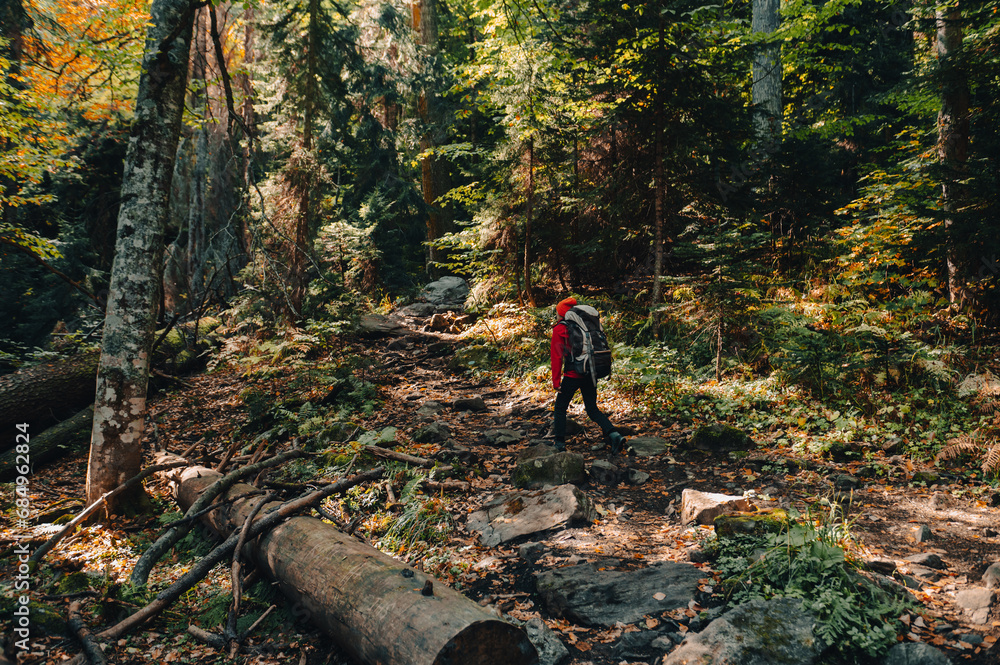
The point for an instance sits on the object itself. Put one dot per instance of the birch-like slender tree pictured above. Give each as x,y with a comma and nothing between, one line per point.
122,377
766,75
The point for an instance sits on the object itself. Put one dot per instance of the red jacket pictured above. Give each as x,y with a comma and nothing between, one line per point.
560,349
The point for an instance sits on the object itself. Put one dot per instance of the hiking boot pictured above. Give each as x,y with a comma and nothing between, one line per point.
617,442
559,445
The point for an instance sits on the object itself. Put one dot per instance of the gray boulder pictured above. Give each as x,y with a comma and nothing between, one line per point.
511,516
542,466
773,632
647,446
915,653
593,597
447,291
435,432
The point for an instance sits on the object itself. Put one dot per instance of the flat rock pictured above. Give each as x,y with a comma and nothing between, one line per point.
915,653
503,437
975,603
704,507
593,597
928,559
511,516
375,325
737,637
418,309
647,446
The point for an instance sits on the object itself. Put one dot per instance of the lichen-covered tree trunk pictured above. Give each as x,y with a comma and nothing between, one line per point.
120,405
953,136
766,75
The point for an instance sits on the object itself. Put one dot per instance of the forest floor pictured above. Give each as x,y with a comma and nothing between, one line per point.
637,525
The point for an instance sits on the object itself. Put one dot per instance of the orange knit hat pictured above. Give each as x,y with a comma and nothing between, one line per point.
564,306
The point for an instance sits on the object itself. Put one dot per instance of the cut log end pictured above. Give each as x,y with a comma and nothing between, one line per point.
488,643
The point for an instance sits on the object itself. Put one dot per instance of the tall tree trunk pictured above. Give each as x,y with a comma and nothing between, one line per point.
434,172
766,75
529,293
953,138
658,185
298,282
120,406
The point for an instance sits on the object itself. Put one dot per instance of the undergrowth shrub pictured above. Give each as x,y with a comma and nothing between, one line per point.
857,619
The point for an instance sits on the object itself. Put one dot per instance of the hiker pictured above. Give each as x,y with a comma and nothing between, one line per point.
568,380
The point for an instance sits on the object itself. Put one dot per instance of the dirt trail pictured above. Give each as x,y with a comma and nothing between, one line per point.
638,525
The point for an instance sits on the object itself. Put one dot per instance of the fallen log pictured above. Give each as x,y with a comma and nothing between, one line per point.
370,603
44,393
51,444
48,391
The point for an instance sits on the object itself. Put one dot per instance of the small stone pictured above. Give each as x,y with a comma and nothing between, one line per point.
976,603
846,482
922,533
430,408
551,650
697,555
503,437
991,578
636,477
531,552
435,432
928,559
475,404
883,566
604,473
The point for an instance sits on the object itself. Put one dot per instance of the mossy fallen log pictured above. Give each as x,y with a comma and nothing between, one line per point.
46,393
